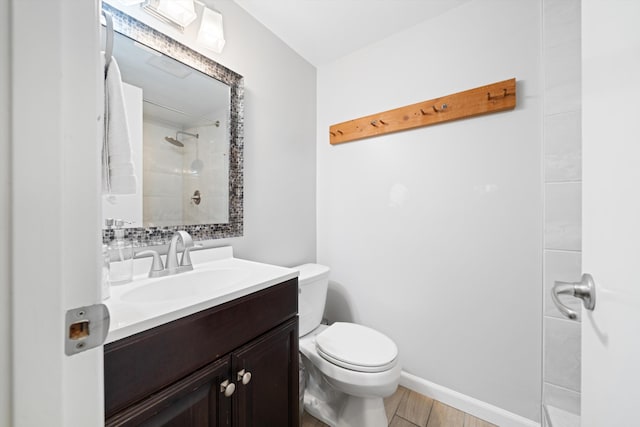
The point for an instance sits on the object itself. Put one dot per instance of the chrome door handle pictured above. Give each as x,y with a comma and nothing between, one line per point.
585,289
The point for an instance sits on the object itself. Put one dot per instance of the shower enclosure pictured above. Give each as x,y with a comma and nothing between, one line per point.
561,62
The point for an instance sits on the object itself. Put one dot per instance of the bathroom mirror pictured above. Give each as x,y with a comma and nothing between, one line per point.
185,118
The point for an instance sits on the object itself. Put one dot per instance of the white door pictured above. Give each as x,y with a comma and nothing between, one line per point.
611,211
55,102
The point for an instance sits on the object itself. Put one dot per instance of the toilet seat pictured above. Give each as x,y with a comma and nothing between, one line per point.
356,347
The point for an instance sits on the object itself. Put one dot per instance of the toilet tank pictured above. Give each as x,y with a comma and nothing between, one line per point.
313,282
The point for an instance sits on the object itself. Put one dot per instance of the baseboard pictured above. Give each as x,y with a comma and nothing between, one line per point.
556,417
470,405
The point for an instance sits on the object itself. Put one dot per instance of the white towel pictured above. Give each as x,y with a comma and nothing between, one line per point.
118,172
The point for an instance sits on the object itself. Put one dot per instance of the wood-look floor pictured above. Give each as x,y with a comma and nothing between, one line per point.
407,408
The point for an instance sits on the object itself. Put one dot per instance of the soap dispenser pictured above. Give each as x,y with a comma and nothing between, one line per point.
121,254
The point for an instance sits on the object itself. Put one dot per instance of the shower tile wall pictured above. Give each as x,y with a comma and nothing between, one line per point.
213,179
162,165
563,192
169,181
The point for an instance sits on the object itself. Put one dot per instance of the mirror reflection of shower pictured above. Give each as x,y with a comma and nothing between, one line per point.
184,152
176,141
197,164
164,95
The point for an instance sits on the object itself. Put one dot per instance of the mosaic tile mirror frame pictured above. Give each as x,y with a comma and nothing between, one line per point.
150,236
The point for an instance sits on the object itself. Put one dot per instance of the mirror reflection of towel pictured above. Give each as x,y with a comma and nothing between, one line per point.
118,172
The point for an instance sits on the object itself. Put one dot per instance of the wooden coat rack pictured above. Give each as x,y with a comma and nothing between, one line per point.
491,98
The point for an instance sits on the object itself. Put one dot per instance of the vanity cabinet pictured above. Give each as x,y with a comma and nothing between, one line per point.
231,365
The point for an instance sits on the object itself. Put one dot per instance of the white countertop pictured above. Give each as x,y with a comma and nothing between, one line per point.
134,307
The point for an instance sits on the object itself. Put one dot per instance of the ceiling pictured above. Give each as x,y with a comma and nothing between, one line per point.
322,31
172,91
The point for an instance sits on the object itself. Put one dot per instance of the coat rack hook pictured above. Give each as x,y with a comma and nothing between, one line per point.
340,132
374,123
332,133
383,122
424,113
504,95
444,107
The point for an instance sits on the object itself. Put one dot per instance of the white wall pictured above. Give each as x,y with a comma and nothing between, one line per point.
434,235
279,131
5,252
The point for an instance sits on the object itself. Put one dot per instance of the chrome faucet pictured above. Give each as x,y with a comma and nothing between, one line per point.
172,254
171,265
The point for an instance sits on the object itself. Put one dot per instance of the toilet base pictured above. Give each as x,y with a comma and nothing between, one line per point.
363,412
320,410
354,411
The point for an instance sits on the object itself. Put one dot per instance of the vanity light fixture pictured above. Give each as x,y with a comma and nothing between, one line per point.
179,13
211,34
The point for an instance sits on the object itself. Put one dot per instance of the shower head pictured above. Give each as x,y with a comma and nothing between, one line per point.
174,141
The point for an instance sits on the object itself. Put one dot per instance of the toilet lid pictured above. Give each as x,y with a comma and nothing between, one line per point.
357,347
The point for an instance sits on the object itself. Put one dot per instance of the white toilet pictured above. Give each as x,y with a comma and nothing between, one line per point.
350,367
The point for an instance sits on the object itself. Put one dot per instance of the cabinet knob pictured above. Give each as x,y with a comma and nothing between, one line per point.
244,376
227,388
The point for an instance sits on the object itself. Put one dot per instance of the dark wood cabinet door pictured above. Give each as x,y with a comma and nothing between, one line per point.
195,401
141,365
270,398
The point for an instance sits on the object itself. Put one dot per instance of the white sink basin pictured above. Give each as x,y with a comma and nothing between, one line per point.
185,286
217,278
